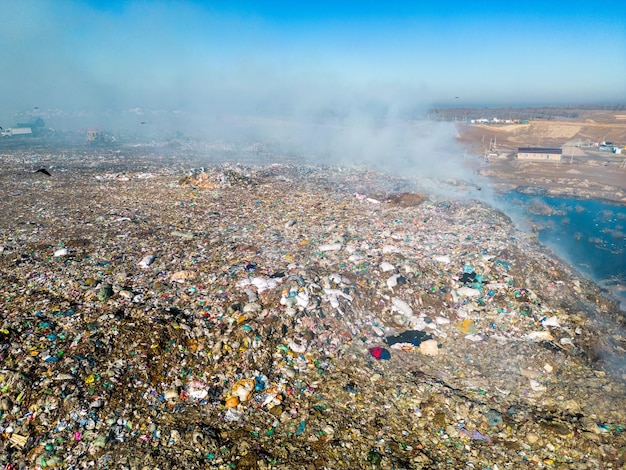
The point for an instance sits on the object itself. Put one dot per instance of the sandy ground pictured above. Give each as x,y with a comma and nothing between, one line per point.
583,172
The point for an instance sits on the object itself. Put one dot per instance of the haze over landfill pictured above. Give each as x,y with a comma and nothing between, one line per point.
332,82
198,64
256,236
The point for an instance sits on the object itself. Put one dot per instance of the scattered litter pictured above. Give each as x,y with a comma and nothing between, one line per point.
282,315
408,337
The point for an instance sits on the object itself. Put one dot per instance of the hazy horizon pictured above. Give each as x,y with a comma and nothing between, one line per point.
97,59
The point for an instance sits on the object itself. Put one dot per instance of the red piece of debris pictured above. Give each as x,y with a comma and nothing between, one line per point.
380,353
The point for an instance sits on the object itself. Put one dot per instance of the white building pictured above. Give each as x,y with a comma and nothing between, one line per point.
539,154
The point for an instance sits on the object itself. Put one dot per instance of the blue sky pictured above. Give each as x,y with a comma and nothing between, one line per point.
282,58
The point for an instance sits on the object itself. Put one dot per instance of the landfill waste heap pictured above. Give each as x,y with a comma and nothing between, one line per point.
293,317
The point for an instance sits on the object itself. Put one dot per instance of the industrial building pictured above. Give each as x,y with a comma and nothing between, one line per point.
539,154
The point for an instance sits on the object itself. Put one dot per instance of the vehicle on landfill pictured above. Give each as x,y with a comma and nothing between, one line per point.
13,131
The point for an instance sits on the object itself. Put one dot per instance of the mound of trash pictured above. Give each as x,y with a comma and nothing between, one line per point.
287,317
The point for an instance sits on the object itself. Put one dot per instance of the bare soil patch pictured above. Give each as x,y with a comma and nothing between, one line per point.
583,171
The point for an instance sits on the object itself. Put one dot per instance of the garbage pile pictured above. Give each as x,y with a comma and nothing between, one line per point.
288,316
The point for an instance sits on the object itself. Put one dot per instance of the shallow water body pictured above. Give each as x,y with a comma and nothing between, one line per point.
588,234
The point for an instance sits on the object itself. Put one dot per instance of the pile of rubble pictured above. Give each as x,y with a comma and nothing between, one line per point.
293,317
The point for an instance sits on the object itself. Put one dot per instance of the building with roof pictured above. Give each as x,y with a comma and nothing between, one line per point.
537,154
